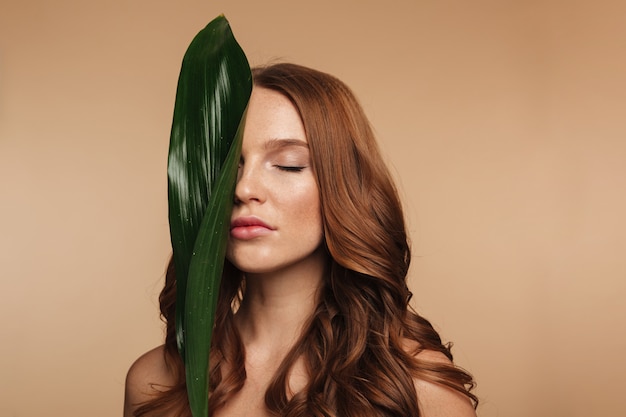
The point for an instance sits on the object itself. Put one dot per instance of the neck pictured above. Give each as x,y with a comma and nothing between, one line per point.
276,305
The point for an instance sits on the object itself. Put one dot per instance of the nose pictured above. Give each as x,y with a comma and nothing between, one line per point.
249,187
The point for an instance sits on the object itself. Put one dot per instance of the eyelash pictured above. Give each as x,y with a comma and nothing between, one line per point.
289,168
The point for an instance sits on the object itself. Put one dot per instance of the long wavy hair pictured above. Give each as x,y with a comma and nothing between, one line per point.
354,345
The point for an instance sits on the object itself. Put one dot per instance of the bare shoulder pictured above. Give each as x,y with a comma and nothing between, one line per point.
145,376
436,400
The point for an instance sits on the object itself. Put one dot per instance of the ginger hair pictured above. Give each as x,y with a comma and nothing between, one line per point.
354,345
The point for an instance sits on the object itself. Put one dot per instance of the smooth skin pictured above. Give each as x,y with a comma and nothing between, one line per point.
276,242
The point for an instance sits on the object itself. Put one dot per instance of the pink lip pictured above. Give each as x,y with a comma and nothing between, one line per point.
246,228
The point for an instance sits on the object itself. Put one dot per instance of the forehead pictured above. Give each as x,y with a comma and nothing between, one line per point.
271,116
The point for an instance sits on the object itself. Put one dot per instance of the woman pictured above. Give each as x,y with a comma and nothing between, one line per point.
313,318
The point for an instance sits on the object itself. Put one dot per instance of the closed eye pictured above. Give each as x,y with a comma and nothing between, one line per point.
289,168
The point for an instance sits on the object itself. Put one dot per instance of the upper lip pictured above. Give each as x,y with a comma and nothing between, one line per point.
249,221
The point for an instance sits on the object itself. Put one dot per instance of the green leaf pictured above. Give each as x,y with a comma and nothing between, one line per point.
214,87
208,261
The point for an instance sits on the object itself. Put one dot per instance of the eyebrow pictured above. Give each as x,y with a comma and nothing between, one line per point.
283,143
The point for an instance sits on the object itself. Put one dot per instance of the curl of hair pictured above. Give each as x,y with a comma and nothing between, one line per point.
355,344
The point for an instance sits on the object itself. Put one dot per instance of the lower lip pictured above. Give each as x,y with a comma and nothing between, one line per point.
249,232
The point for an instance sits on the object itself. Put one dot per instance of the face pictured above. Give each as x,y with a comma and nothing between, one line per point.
276,222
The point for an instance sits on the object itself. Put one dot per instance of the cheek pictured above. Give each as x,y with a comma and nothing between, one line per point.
302,198
305,211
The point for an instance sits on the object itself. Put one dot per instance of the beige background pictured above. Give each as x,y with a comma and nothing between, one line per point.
503,120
